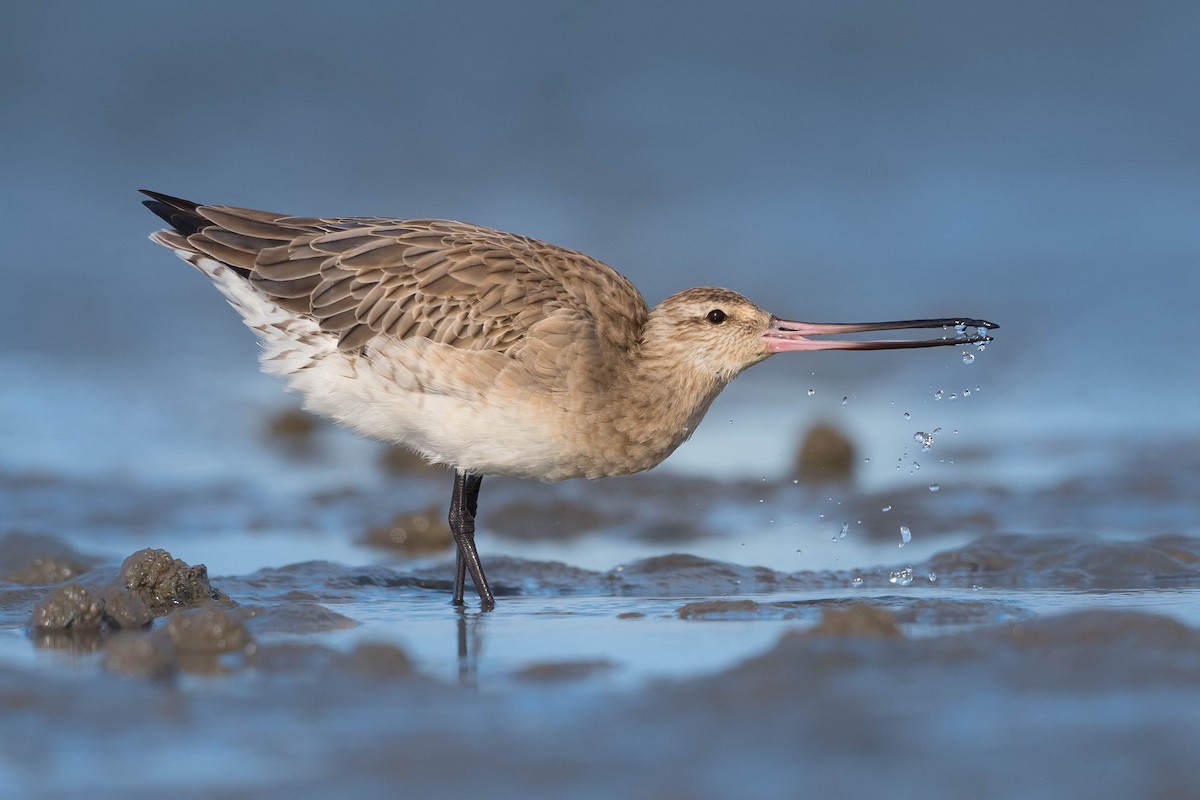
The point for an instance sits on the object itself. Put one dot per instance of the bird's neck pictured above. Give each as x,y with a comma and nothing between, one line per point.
661,401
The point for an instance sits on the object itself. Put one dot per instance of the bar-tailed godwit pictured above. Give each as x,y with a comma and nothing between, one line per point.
485,351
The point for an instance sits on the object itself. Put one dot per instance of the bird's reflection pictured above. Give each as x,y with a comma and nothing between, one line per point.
470,642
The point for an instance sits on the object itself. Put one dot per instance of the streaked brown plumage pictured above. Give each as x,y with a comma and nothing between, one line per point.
484,350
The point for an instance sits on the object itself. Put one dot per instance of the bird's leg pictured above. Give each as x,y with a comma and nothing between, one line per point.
463,506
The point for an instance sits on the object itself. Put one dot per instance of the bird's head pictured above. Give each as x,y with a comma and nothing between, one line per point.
720,332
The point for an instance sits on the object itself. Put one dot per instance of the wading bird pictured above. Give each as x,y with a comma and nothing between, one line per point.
485,351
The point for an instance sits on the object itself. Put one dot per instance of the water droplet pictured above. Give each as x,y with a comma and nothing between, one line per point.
907,415
953,396
796,481
938,394
867,460
902,578
799,552
845,400
887,509
905,535
811,392
924,439
857,582
820,516
932,576
968,357
933,487
966,392
845,530
956,431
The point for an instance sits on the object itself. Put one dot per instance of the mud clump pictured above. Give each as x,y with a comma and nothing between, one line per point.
419,534
857,619
206,630
39,560
378,660
397,460
76,608
719,609
299,616
70,607
47,570
827,454
295,432
164,583
150,584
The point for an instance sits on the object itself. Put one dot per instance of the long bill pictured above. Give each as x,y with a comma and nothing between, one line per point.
788,336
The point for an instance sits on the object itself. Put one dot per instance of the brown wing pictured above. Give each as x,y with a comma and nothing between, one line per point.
360,277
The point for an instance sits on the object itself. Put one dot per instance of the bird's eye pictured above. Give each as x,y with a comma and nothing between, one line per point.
716,316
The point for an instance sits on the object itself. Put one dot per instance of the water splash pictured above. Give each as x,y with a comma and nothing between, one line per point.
901,578
926,439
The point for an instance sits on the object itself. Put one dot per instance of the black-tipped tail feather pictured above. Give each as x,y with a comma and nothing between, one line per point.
178,213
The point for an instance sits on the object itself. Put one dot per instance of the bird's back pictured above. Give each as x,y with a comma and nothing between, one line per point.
361,277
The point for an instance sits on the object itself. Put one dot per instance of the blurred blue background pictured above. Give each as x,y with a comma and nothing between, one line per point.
1033,163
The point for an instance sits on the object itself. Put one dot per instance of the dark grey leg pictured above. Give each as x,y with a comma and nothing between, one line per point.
463,506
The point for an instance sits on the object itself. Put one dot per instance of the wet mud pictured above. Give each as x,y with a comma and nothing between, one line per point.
1000,650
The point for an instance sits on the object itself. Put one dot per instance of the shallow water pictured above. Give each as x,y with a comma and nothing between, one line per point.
708,658
703,630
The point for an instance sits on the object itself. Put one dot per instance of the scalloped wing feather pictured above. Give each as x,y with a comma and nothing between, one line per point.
463,285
